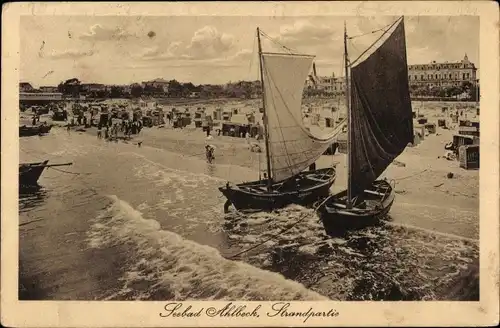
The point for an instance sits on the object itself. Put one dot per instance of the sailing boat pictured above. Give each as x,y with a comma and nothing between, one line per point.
290,147
380,126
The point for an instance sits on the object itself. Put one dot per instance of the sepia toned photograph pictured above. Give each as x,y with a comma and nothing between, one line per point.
249,158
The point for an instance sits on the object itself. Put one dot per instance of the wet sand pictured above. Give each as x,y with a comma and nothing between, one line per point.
428,251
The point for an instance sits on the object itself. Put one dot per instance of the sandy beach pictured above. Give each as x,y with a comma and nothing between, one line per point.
423,174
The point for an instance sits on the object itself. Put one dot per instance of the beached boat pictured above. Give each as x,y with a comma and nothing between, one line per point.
29,173
290,147
28,131
380,126
44,128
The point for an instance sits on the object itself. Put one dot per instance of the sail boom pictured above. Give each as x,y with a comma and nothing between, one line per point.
289,54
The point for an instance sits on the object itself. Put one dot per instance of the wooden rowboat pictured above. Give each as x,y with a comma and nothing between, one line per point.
29,173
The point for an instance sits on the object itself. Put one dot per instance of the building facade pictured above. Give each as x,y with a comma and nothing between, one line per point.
48,89
328,85
422,76
92,87
445,74
25,87
39,98
157,84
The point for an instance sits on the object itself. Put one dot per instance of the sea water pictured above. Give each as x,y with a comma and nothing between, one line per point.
141,223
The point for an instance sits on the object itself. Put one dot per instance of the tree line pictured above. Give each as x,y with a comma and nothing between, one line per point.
73,87
466,88
242,89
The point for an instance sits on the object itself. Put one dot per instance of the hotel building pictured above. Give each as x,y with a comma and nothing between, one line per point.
442,74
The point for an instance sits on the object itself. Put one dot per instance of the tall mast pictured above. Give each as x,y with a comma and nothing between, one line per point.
349,121
266,137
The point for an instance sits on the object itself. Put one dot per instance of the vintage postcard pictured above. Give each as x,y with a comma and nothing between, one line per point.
250,164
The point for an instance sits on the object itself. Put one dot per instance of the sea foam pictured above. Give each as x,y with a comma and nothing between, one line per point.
185,269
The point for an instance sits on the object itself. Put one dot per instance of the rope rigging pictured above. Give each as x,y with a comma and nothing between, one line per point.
386,30
388,26
411,176
63,171
276,42
304,215
50,167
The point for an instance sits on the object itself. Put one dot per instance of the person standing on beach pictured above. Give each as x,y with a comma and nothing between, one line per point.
129,134
209,153
247,137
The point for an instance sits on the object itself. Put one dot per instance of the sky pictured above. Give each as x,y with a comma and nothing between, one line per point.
215,49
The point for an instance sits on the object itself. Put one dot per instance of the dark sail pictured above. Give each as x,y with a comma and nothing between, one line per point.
381,113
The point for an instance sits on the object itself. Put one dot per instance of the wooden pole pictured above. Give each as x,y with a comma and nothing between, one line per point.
349,121
50,165
266,136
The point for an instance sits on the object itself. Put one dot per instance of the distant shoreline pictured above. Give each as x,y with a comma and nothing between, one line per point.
186,101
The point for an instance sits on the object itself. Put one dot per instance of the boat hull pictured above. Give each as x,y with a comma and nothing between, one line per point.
28,131
45,128
305,189
377,204
29,173
25,131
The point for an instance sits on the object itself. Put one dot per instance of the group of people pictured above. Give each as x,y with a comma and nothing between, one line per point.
111,130
176,120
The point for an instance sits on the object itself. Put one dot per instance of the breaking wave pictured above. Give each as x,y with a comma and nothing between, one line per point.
167,266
